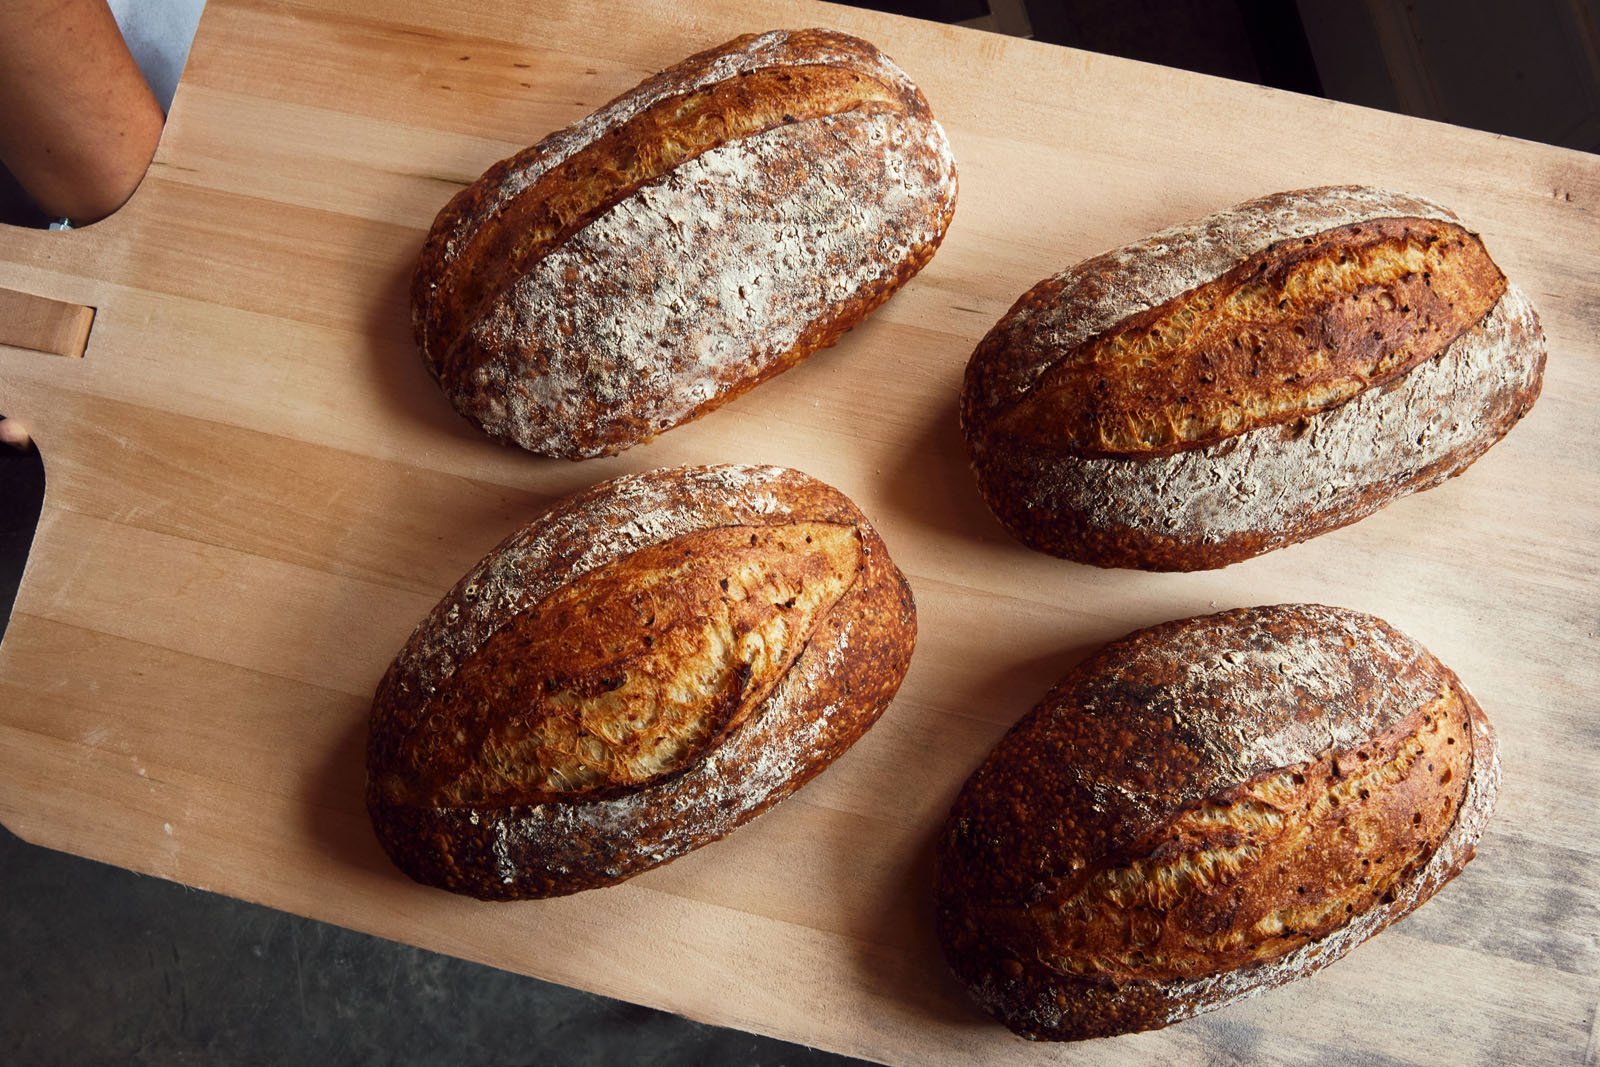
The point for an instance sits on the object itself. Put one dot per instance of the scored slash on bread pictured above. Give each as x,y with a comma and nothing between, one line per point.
698,235
1248,381
638,672
1204,810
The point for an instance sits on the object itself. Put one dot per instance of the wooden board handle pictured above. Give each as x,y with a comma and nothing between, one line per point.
40,324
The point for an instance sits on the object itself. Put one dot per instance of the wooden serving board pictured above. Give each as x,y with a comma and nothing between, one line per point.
254,492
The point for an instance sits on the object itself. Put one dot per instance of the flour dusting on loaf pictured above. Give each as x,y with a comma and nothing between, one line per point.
1245,461
1086,299
512,176
717,287
705,261
1271,482
591,530
841,679
1207,809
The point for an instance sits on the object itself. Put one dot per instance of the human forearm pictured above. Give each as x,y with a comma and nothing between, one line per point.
78,125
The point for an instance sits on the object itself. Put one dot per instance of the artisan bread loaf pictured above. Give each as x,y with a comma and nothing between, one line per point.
1204,810
646,667
697,235
1248,381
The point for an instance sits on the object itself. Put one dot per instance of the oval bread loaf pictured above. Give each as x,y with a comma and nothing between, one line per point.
648,666
1248,381
697,235
1207,809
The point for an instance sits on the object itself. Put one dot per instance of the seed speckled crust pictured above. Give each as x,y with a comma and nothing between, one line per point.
1204,810
638,672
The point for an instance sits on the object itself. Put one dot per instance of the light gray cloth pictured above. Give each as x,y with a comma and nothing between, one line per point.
158,33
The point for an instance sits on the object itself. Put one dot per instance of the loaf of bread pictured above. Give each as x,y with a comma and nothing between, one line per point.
646,667
1204,810
1248,381
694,237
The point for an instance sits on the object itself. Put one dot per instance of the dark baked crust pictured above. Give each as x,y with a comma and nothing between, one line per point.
696,236
840,681
1287,469
1165,752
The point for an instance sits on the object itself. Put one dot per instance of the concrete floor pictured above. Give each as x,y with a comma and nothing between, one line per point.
106,966
100,965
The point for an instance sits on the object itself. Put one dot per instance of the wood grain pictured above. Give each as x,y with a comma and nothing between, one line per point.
255,491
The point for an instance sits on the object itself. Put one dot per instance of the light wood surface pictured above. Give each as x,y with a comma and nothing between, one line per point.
39,324
254,492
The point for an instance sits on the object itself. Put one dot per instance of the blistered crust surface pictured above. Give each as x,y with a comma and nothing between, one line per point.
629,673
793,705
1277,783
741,259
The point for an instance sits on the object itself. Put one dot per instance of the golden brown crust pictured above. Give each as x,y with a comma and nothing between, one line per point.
1376,376
1206,809
640,671
749,156
1294,329
630,672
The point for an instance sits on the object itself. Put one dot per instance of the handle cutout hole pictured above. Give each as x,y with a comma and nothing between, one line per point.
40,324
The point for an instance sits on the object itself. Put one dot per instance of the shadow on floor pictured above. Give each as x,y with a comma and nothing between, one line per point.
107,966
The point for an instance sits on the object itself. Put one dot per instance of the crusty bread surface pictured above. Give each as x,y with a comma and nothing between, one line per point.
1248,381
641,670
701,233
1204,810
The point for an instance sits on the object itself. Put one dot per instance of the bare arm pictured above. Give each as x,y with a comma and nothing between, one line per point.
78,125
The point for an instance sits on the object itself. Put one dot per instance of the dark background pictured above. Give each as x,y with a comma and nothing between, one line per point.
99,965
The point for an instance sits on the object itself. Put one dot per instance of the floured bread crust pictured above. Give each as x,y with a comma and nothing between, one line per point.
1248,381
643,669
696,236
1205,810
